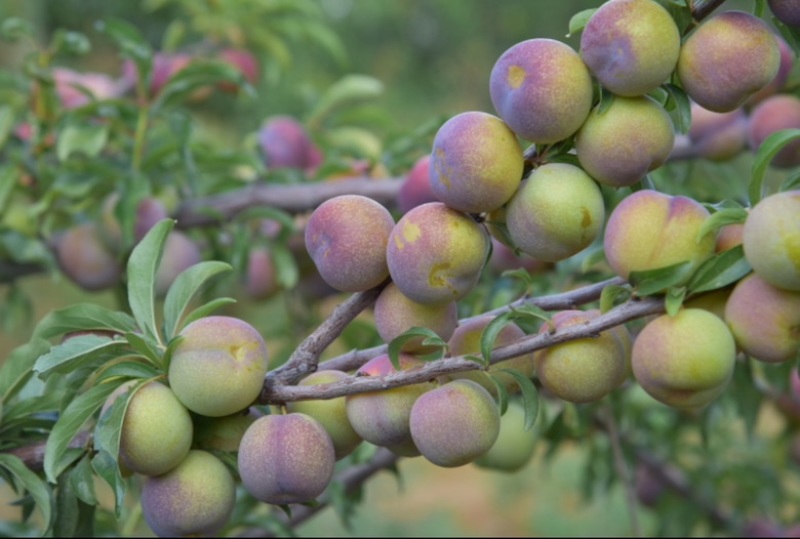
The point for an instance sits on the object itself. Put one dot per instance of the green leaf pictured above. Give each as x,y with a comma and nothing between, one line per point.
186,286
69,423
70,42
6,124
768,149
17,367
493,329
15,28
674,300
79,351
613,295
650,282
200,73
721,218
759,8
81,478
346,91
142,267
720,270
31,483
206,309
606,99
89,139
83,317
679,108
502,392
791,183
429,338
106,467
578,21
530,396
129,369
131,42
145,346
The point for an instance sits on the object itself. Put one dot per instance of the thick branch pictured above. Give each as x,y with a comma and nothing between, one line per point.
555,302
278,394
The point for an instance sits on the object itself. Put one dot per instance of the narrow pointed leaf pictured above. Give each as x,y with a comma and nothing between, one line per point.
186,286
31,483
530,396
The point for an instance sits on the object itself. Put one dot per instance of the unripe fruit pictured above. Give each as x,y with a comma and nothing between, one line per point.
686,360
346,237
764,320
514,446
650,230
194,498
286,459
331,413
218,367
557,212
222,433
771,239
435,254
619,146
455,423
541,89
631,46
476,163
746,58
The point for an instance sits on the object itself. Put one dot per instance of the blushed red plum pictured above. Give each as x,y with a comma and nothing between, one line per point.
650,230
786,11
285,143
556,212
218,367
346,237
504,259
476,163
395,313
619,146
261,279
746,59
764,320
180,253
245,62
455,423
286,459
196,498
771,239
416,188
631,46
148,212
99,86
542,89
781,111
718,136
778,83
435,254
86,260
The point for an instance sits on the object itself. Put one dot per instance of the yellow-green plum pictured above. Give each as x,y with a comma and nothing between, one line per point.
771,239
180,253
718,136
476,163
781,111
713,302
222,433
195,498
395,313
514,446
86,260
455,423
786,11
156,431
620,145
557,212
764,320
416,188
582,370
381,417
542,89
631,46
745,59
346,237
331,413
467,340
650,230
286,459
435,253
684,361
218,367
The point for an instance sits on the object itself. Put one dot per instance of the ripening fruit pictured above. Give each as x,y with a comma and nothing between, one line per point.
621,144
222,433
195,498
331,413
285,143
86,259
745,59
435,253
557,212
786,11
514,446
718,136
781,111
542,89
650,230
346,238
779,82
764,320
416,188
218,367
581,370
476,163
180,253
455,423
631,46
771,239
286,459
686,360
